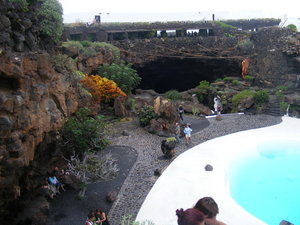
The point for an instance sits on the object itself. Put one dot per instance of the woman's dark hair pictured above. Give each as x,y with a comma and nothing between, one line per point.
99,210
91,215
208,206
189,216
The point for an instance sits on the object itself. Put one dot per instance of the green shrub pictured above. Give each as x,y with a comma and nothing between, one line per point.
125,77
249,78
195,111
217,80
261,97
132,102
202,90
89,52
50,18
23,4
283,106
115,51
229,79
293,27
74,44
129,220
281,88
173,95
86,43
237,98
235,82
62,63
170,139
145,114
245,45
84,133
224,25
280,92
79,74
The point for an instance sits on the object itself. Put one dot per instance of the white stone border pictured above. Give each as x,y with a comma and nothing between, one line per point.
185,180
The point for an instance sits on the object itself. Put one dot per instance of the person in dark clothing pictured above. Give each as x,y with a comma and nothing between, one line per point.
180,111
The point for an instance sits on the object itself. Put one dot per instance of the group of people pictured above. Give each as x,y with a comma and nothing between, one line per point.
203,213
54,183
187,130
97,217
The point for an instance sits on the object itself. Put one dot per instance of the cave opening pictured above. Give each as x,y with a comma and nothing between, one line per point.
9,83
182,74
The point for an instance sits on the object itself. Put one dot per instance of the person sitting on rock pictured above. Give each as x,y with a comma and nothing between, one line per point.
190,217
54,181
210,209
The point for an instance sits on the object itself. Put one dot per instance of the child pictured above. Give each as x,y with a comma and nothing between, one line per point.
188,133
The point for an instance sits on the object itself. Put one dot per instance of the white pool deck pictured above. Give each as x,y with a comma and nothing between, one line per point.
185,180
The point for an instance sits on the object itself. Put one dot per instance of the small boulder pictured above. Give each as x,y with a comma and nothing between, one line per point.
209,167
111,196
125,133
284,222
168,147
157,172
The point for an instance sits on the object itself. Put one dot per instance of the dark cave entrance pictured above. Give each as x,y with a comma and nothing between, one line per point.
182,74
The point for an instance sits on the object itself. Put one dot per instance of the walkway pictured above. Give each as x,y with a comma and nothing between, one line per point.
141,177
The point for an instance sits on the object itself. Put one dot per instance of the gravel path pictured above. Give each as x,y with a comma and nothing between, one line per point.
141,177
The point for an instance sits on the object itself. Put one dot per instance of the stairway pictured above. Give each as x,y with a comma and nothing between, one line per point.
273,108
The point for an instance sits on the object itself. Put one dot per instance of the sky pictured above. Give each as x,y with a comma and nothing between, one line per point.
141,10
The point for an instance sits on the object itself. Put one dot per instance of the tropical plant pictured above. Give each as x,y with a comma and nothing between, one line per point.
173,95
102,88
145,114
51,20
126,77
83,133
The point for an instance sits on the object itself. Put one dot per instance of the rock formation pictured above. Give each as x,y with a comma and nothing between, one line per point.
35,102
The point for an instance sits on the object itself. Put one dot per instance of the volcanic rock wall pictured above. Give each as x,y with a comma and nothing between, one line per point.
34,103
276,58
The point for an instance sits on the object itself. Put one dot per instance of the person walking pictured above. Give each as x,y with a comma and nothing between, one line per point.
180,111
188,133
177,132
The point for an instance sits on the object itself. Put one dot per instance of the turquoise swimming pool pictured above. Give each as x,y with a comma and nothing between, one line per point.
267,183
